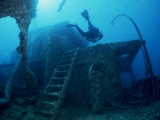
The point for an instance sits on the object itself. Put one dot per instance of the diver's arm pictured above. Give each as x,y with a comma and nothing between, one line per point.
100,37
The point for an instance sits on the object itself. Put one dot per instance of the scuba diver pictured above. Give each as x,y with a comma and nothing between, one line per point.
93,35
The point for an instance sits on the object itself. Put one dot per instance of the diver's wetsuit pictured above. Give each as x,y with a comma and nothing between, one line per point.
90,34
93,34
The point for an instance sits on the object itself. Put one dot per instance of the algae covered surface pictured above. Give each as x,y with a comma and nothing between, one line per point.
18,110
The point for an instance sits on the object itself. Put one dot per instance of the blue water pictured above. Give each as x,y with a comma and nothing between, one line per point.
146,14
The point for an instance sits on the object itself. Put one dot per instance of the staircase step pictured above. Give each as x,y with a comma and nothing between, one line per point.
66,57
65,62
69,54
72,51
57,81
48,113
51,96
48,105
60,74
64,71
55,88
63,67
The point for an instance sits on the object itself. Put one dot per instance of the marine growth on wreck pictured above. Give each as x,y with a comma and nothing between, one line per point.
66,73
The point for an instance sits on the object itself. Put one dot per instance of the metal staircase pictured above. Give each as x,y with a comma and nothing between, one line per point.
56,89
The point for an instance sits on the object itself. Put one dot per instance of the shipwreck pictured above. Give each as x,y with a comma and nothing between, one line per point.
55,68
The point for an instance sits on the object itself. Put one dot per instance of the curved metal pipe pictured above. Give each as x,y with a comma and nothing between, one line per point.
143,44
140,36
8,88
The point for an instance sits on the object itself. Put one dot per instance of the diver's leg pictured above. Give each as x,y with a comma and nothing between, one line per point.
78,28
80,31
70,25
90,26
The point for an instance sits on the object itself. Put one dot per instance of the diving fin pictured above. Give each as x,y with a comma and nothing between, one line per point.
85,14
